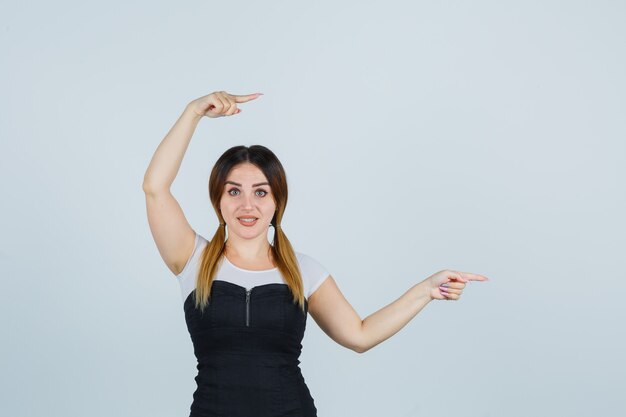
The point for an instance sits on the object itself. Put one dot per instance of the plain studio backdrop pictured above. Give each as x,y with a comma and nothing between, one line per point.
417,136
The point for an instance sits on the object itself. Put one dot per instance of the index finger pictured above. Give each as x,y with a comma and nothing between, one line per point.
468,276
244,98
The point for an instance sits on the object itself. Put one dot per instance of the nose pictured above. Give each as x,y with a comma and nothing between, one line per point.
247,202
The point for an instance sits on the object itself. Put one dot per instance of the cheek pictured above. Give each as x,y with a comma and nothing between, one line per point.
270,208
226,208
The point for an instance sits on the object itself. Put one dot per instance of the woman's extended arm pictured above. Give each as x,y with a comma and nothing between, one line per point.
387,321
336,317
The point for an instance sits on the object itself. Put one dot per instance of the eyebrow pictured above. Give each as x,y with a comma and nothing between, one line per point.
254,185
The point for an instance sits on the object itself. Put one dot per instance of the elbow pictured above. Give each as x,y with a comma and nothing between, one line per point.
353,346
360,344
145,187
363,347
152,185
152,189
360,349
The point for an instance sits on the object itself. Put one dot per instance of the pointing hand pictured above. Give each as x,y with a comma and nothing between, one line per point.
220,103
448,284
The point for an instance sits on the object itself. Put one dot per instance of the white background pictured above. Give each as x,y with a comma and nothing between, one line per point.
479,136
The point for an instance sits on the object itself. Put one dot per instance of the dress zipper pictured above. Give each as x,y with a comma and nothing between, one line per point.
248,307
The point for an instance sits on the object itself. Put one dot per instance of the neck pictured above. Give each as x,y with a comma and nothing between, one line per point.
248,249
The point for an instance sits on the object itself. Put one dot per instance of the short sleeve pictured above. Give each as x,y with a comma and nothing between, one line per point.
187,277
314,273
189,261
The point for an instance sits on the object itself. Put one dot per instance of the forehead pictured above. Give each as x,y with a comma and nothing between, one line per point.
246,173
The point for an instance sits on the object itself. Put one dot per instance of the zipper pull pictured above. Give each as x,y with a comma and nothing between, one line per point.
248,306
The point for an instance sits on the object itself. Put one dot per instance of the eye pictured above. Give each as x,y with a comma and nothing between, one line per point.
235,189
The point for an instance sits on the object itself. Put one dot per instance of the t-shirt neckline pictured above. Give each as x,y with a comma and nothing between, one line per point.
247,270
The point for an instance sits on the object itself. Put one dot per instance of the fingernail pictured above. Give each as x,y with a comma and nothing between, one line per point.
444,285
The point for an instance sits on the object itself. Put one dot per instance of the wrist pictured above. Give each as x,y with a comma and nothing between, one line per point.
421,292
428,291
191,114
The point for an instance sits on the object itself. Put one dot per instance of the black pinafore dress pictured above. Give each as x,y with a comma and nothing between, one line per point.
248,343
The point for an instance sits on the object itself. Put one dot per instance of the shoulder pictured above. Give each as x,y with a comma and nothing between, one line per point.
198,247
187,277
201,240
307,261
313,272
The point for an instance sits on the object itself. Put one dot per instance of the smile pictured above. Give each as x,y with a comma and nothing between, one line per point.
247,221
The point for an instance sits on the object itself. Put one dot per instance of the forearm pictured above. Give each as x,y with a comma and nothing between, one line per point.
387,321
167,158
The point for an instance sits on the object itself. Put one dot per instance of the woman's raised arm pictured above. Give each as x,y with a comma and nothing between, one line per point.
173,235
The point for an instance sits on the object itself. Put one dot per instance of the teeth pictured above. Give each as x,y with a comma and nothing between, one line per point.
248,220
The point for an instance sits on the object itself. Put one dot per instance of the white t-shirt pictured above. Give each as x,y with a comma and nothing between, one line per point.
313,273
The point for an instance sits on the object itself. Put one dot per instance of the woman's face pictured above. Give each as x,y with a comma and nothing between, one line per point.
247,194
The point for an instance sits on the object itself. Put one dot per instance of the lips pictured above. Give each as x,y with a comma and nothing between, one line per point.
248,224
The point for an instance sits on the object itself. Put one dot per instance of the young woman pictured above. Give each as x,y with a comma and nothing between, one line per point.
246,300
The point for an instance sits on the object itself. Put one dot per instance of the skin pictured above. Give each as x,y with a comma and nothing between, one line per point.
327,305
247,246
340,321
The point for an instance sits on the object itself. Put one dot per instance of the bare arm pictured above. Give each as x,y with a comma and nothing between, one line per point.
167,158
172,233
336,317
387,321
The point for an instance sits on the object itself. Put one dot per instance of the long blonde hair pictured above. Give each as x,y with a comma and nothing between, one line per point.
282,252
